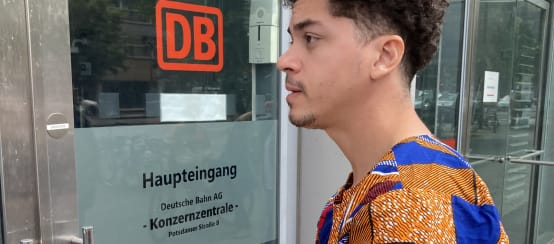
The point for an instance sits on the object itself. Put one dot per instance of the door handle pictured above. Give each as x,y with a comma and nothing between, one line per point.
485,159
26,241
88,236
532,162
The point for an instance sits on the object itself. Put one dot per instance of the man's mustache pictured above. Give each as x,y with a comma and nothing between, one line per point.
295,83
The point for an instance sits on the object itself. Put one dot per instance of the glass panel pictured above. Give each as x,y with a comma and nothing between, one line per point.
530,29
438,85
508,72
494,56
117,80
176,137
493,68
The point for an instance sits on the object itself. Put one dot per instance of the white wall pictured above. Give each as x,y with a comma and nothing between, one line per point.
322,169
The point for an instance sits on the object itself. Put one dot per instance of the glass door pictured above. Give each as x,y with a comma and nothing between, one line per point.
176,123
145,121
507,102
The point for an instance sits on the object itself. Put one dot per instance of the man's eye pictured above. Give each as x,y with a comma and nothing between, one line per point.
310,38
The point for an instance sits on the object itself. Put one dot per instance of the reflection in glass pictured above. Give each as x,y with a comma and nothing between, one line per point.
438,85
117,80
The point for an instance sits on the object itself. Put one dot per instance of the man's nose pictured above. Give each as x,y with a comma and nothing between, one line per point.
287,62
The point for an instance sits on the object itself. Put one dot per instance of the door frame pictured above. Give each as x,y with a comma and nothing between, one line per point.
38,170
50,69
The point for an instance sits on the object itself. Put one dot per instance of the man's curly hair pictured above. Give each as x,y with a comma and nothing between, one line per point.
418,22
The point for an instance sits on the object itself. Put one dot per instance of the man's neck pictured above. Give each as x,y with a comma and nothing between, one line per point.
366,136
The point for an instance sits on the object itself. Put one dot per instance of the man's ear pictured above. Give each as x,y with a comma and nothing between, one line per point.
389,50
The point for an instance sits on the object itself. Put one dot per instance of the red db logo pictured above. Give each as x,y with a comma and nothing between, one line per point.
189,37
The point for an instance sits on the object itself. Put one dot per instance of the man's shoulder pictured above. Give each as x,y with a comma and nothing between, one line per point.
424,150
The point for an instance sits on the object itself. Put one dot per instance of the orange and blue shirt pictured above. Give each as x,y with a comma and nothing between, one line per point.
422,191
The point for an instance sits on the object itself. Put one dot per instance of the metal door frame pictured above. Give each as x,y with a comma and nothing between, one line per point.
549,77
37,164
18,171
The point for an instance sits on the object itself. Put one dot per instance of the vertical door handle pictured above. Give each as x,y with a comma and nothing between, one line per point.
88,236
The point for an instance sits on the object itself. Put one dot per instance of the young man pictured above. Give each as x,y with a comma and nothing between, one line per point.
348,71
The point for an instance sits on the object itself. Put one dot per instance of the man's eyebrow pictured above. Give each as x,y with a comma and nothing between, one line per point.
303,24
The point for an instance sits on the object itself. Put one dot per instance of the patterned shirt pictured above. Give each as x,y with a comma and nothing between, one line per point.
422,191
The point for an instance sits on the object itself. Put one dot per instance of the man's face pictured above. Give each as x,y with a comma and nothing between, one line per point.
326,65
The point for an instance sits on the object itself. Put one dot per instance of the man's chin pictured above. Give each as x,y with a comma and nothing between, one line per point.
304,121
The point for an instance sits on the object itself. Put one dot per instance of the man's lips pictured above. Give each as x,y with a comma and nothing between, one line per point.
291,91
292,88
